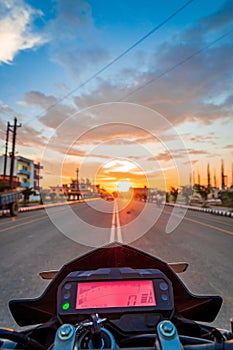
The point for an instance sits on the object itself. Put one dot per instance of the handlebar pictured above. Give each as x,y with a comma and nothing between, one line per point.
167,338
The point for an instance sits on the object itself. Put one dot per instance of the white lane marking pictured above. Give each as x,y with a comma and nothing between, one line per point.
118,226
113,227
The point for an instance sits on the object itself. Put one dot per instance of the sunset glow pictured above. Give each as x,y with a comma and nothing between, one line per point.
152,112
124,186
120,175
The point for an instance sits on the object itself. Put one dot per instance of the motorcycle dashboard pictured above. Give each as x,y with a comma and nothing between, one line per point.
40,309
114,291
106,294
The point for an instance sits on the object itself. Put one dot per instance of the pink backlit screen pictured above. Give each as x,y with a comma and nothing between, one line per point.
107,294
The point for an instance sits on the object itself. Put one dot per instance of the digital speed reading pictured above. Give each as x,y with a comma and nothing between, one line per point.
110,294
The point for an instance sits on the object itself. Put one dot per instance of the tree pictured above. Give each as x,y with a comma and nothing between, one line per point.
202,190
27,192
174,192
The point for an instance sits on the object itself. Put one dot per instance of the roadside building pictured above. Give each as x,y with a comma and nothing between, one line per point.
37,176
26,173
57,191
76,190
140,193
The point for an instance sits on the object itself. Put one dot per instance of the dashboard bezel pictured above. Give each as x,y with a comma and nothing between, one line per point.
164,298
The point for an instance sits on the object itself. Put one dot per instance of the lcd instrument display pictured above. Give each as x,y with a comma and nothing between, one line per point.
108,294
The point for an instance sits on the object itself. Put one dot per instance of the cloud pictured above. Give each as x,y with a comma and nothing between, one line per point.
162,156
229,102
210,138
81,60
37,98
176,154
4,108
190,92
229,147
76,43
16,29
29,137
218,20
93,126
54,111
197,151
189,79
73,19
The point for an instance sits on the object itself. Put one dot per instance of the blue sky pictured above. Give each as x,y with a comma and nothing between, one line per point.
51,49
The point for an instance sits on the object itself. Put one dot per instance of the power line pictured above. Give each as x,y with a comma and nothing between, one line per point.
104,68
188,58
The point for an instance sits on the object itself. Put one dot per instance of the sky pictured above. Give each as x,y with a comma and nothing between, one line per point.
127,91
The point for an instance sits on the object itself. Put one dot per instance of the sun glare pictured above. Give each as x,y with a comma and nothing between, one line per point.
123,186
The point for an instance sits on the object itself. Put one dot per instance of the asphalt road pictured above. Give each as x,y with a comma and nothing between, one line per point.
42,240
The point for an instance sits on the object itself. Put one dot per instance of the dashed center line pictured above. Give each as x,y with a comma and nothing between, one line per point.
115,234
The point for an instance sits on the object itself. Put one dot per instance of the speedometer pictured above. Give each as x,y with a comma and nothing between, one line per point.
113,292
108,294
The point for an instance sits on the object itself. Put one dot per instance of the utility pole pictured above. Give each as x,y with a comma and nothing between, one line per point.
15,126
6,150
77,180
198,178
208,175
215,180
222,175
232,174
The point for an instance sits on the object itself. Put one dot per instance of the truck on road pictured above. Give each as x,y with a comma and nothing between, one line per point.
9,200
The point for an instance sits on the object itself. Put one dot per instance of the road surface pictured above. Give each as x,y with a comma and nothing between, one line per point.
40,240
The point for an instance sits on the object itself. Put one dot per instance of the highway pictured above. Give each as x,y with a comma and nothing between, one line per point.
42,240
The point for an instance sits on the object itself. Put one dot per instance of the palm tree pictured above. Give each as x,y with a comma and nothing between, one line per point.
174,192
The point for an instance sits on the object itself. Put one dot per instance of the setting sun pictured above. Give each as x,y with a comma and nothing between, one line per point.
123,186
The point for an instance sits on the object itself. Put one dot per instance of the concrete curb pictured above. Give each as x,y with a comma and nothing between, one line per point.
42,206
50,205
205,210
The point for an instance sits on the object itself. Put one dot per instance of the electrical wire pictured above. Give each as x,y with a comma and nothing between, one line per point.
104,68
180,63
